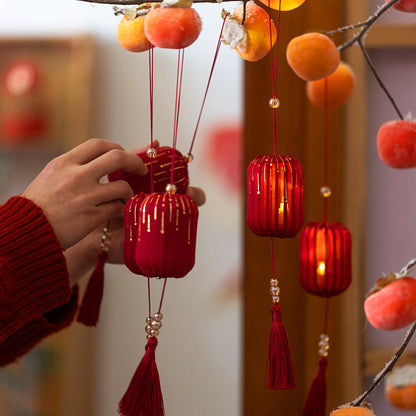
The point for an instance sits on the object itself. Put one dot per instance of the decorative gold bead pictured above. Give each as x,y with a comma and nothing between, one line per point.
274,103
171,188
273,282
148,329
275,290
149,320
275,299
151,152
158,317
326,191
154,333
156,324
189,157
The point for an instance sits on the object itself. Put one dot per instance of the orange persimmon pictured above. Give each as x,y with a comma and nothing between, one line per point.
352,411
312,56
172,27
340,85
258,26
400,387
131,36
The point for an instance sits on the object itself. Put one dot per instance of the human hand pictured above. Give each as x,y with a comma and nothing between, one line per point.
71,195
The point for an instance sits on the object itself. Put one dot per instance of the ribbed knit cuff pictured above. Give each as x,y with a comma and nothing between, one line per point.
33,332
33,272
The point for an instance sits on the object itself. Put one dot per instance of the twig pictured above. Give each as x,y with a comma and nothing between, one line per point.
389,366
398,352
365,26
373,70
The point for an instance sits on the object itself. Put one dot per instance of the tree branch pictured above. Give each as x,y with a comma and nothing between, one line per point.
137,2
389,366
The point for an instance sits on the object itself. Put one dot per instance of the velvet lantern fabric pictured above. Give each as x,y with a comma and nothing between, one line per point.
161,167
325,258
161,234
275,196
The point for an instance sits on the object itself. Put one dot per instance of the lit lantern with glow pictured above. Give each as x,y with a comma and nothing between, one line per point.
275,196
325,258
325,270
161,234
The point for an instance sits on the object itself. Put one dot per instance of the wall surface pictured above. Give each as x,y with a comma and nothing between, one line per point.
391,202
199,347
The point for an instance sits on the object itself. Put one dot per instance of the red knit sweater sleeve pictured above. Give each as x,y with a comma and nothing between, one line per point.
35,296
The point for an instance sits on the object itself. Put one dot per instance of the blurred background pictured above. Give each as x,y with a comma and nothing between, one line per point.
89,86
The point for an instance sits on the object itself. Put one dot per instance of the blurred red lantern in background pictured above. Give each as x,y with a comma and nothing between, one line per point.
325,258
275,196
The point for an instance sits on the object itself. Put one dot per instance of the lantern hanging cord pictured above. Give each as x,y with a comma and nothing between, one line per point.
151,72
326,146
149,297
217,50
325,331
274,68
272,256
179,77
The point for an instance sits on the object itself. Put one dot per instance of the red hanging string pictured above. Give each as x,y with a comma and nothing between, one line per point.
274,68
150,56
326,316
149,300
179,76
162,296
325,146
217,50
272,255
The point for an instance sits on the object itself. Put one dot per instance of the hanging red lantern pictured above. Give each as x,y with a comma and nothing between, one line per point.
275,196
160,234
159,163
325,258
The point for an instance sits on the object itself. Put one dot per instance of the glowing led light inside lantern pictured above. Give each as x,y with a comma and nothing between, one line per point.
285,5
275,196
325,258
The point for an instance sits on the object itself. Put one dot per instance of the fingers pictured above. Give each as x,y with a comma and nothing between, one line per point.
142,149
112,191
90,150
116,159
197,194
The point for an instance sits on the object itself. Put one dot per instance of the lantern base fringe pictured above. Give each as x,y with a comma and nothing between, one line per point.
144,396
89,311
281,375
315,404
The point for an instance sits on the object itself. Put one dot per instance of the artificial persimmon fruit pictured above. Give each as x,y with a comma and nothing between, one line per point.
352,411
340,85
259,26
172,27
408,6
392,306
312,56
396,143
131,36
283,5
400,387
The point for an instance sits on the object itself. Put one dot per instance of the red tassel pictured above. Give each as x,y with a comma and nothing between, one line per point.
315,404
281,376
144,396
89,311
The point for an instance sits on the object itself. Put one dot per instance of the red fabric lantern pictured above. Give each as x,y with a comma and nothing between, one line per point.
160,234
325,258
161,166
275,196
